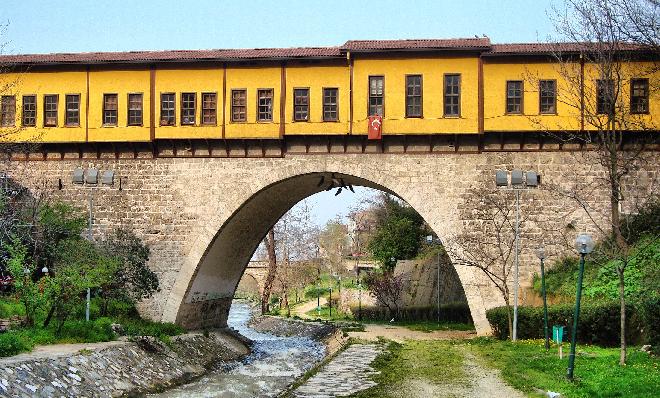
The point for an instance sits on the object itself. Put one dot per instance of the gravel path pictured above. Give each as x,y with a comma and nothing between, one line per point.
400,334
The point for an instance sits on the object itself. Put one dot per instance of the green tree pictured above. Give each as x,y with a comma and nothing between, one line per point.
79,266
133,280
399,232
26,289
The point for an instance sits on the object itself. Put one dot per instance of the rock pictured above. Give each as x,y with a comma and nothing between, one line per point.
551,394
117,329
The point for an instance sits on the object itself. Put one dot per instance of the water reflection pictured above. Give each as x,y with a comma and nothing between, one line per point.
275,362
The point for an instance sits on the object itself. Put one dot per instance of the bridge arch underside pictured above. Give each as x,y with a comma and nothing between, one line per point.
211,287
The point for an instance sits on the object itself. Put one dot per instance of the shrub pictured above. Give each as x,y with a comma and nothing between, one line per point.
599,323
143,327
12,344
89,332
454,312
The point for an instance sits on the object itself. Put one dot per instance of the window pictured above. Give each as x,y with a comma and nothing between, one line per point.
452,94
330,113
514,97
72,117
639,96
376,95
265,105
29,110
109,109
238,105
548,96
167,111
301,104
209,106
188,108
135,109
50,110
414,96
604,96
8,111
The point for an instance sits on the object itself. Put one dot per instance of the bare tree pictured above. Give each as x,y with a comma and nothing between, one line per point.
387,288
488,239
606,81
269,242
333,240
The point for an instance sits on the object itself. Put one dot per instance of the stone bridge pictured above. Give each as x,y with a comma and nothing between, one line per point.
203,217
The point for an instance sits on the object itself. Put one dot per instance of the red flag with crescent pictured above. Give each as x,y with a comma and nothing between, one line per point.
375,127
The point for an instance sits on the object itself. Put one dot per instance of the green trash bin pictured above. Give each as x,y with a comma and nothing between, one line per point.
558,334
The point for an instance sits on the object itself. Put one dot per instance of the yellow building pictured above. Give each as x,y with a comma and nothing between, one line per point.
419,87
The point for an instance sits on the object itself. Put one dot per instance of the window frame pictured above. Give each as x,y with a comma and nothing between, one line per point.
307,105
554,102
214,109
34,123
646,95
116,110
57,108
369,95
187,109
173,110
66,110
9,119
324,104
245,105
522,98
444,96
272,105
128,110
599,103
421,95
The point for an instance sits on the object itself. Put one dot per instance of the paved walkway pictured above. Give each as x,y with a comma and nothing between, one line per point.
347,373
401,333
302,309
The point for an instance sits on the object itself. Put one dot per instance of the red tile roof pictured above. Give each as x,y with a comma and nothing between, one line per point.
481,44
431,44
173,55
548,48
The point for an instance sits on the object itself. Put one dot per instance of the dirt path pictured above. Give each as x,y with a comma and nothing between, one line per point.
400,333
302,309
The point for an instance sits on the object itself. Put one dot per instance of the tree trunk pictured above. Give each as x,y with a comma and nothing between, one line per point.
622,357
49,316
509,317
272,271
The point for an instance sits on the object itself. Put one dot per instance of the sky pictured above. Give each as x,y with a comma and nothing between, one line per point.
122,25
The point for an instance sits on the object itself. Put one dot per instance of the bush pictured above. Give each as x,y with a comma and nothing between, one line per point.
11,307
312,292
599,323
143,327
648,312
12,344
88,332
454,313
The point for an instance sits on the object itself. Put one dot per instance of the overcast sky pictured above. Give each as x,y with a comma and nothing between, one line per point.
121,25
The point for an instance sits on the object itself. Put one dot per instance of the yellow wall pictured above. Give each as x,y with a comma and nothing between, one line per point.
189,81
495,117
432,71
252,79
121,83
179,79
316,78
40,84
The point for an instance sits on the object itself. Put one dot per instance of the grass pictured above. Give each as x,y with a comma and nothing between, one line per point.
433,361
324,314
526,366
76,330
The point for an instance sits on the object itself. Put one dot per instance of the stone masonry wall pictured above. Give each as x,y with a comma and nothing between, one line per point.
114,369
179,205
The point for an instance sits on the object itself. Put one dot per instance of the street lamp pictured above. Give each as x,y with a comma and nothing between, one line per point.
90,178
540,253
520,181
584,244
430,240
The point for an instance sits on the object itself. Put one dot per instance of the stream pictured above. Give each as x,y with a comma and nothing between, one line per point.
274,364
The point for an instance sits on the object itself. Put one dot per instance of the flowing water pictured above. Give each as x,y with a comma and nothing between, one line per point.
275,363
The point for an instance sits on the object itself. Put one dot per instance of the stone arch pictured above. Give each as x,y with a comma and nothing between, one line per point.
249,285
205,285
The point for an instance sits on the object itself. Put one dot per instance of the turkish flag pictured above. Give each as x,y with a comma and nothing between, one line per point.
375,127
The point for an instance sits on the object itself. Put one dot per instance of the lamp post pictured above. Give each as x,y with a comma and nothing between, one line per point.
584,244
520,181
540,253
90,177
